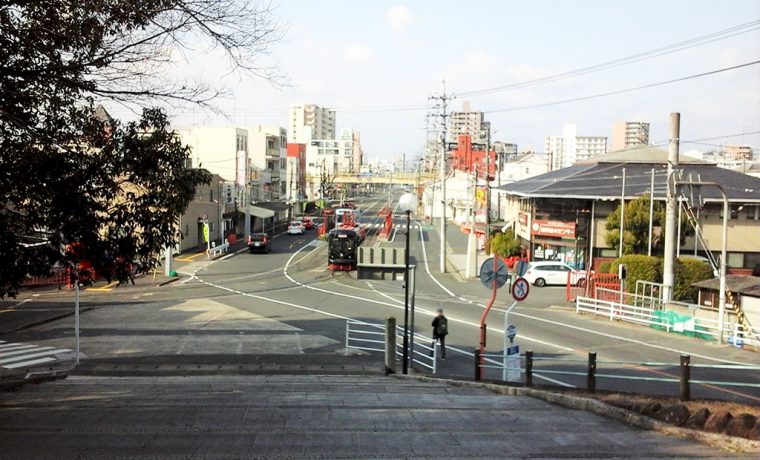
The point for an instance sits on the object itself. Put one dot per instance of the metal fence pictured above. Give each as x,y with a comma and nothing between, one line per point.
361,335
648,316
365,336
423,350
592,370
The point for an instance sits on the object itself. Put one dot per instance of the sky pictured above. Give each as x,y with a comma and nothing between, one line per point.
354,55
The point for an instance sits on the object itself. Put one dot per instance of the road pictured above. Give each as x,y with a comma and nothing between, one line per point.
285,311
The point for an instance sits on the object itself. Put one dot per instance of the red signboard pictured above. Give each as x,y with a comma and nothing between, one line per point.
553,228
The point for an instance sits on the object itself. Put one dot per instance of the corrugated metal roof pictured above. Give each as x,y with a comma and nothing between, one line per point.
604,180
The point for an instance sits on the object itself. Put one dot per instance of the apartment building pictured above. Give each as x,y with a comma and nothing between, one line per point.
268,151
469,123
310,121
629,134
569,148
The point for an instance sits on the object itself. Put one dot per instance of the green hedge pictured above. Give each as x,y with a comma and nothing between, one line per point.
640,267
689,271
605,267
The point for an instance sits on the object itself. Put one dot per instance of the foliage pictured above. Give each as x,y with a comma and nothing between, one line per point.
639,267
67,176
687,272
636,232
505,244
605,267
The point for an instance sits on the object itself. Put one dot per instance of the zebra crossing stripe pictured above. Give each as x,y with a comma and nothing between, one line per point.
17,353
33,355
14,348
29,363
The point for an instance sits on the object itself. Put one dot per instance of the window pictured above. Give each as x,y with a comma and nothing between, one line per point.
210,226
211,194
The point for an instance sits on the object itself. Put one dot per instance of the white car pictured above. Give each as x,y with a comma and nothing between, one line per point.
296,228
547,272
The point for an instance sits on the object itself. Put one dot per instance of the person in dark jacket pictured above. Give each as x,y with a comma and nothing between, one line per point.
440,331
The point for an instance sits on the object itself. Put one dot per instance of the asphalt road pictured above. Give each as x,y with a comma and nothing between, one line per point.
286,312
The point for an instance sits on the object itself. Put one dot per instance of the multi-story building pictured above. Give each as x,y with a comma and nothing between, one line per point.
469,123
738,152
321,166
296,172
346,152
569,148
628,134
469,157
358,152
320,120
222,151
268,153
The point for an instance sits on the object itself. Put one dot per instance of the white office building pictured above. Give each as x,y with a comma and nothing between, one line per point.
570,148
320,121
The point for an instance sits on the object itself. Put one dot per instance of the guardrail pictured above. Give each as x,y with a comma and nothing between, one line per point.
423,350
217,250
365,336
58,276
591,372
647,316
745,335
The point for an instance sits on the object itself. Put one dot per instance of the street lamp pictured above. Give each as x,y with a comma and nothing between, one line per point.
407,203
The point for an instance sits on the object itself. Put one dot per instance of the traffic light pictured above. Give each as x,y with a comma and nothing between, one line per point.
622,272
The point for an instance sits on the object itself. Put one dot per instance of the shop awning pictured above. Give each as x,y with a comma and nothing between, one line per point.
263,213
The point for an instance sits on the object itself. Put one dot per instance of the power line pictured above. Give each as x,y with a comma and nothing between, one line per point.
626,90
656,52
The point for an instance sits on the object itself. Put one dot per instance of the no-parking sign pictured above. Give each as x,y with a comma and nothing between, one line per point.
520,289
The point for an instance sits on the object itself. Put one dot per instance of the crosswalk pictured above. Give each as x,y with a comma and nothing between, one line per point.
15,356
400,227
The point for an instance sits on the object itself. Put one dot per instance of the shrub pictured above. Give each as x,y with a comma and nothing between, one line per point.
505,244
640,267
605,267
689,271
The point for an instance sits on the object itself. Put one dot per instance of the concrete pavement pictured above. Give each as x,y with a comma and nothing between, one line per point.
316,416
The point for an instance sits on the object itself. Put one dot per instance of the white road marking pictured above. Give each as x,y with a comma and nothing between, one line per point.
29,363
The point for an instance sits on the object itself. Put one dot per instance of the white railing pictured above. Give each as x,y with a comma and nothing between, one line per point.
648,293
214,250
647,316
423,351
365,336
745,335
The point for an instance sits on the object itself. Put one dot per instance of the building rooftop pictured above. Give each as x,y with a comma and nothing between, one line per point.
601,178
734,283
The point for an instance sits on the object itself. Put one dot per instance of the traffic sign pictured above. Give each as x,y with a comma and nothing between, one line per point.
489,274
204,216
520,289
512,333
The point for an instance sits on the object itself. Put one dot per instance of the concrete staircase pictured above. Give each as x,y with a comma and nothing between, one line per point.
307,416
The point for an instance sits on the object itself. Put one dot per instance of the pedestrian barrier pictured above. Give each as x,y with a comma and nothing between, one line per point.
592,372
58,276
365,336
669,321
217,250
423,349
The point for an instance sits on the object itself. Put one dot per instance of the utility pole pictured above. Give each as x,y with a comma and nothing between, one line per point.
443,99
668,275
487,235
651,213
472,245
622,216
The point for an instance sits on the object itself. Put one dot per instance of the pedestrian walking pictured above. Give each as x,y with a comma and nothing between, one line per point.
440,331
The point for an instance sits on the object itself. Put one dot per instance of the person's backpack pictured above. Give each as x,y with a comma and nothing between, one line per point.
443,327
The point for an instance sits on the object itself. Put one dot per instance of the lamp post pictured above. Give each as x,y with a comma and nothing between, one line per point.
406,203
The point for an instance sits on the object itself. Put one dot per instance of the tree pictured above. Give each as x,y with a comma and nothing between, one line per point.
66,176
636,231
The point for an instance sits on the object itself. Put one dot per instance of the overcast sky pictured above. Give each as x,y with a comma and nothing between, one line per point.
353,54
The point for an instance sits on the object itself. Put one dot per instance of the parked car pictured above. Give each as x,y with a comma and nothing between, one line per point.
259,242
296,228
549,272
